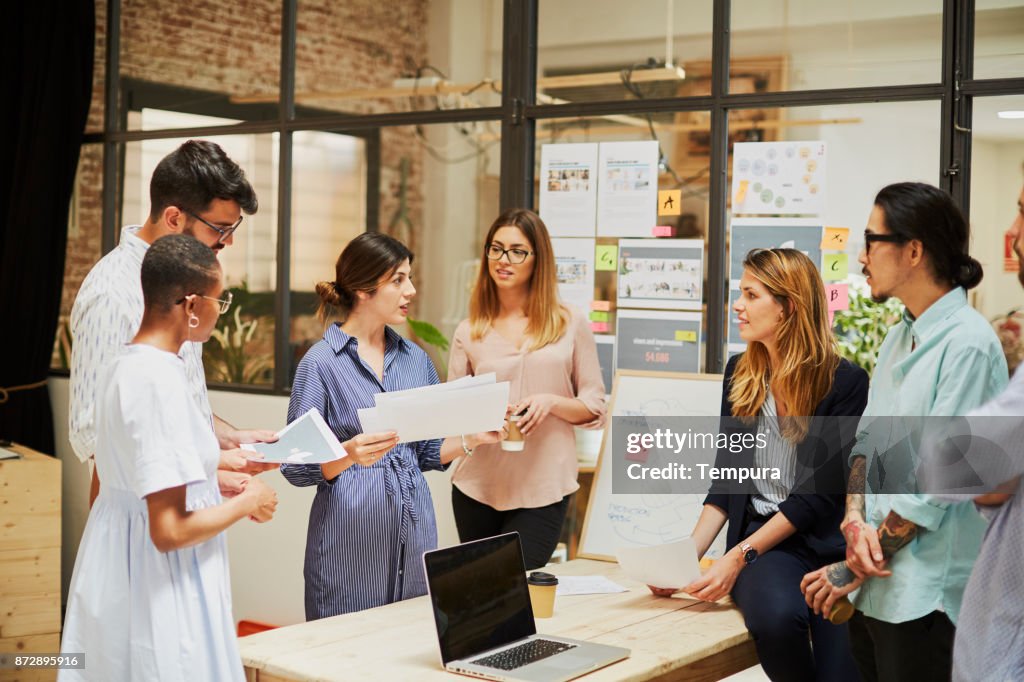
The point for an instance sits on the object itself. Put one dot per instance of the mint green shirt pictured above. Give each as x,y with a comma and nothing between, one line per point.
956,365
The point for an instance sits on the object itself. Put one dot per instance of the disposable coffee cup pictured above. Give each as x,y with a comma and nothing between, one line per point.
515,441
542,593
841,611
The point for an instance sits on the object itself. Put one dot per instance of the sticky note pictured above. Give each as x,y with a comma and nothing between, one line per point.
741,193
601,305
838,296
669,201
834,266
598,316
599,326
686,335
662,231
637,456
835,238
607,257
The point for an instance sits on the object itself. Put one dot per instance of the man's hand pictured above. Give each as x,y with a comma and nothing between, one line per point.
824,587
863,552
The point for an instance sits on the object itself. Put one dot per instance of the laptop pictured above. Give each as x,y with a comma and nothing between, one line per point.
485,624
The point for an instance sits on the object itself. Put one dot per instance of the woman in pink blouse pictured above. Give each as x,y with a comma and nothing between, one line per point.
518,329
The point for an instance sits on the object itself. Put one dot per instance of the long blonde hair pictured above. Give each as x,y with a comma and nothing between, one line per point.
807,349
547,319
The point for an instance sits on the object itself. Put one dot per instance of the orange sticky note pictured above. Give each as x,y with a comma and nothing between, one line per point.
835,238
669,201
741,193
601,305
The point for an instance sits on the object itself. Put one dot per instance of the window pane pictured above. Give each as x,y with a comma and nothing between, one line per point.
84,242
998,39
437,193
782,45
365,58
242,348
605,50
997,176
200,58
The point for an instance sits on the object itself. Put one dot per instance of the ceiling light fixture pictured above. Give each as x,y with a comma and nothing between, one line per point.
1011,113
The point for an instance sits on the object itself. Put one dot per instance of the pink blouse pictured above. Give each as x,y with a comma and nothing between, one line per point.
545,470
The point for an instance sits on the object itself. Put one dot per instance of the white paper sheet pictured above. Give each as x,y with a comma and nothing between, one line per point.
454,385
669,565
574,263
568,188
627,190
569,585
439,413
778,178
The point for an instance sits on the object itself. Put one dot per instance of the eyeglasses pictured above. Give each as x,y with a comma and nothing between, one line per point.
870,237
225,303
224,232
515,256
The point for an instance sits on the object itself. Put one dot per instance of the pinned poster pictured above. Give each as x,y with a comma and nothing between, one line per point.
574,269
663,273
838,296
607,257
627,189
773,178
669,201
835,266
835,238
568,189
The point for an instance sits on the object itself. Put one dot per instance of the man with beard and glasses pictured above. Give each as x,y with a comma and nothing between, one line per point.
910,553
195,190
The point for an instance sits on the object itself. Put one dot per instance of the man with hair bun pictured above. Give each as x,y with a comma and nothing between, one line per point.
195,190
910,553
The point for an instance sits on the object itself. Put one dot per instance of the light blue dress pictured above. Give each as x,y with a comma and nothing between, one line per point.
135,612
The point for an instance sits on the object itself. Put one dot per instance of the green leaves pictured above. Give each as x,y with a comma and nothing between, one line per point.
861,329
428,333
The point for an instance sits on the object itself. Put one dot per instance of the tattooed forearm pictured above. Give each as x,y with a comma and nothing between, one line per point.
895,533
839,575
856,485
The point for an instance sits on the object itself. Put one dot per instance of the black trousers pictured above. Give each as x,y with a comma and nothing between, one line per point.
539,528
793,643
920,649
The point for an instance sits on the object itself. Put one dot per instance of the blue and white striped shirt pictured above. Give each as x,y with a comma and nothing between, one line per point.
369,527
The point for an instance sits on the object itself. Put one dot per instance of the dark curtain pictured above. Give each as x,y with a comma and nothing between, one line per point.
48,57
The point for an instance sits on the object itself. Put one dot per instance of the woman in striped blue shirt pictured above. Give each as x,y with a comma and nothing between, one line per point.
792,386
372,517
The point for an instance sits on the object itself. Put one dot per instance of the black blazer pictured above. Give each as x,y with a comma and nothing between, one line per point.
817,503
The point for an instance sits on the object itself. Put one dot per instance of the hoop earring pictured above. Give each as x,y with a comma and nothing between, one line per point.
193,321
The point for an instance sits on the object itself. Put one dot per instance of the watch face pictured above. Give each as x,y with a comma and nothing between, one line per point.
750,556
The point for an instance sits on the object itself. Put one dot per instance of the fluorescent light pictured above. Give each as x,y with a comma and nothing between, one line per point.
1011,113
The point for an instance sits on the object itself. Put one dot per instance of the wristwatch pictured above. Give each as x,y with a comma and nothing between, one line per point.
465,448
749,553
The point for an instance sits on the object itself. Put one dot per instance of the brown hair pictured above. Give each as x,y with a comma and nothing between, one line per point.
807,348
363,263
547,319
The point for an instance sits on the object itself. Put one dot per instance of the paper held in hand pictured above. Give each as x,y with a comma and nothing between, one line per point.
467,405
307,440
670,565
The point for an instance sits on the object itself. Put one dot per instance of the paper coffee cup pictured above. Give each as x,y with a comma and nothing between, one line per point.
542,593
515,441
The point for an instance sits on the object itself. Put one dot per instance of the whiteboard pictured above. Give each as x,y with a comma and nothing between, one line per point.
633,520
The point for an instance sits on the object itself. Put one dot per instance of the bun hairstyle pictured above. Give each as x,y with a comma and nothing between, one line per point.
363,263
914,210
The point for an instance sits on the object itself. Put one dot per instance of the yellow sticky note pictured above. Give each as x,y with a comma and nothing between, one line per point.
686,336
607,256
668,202
599,316
835,238
835,266
741,193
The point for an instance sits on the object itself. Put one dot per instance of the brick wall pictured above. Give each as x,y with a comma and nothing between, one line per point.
234,48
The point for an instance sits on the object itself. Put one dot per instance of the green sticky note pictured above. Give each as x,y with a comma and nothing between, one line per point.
607,256
835,266
599,316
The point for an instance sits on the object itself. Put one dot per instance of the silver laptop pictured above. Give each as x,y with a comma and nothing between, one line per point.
484,621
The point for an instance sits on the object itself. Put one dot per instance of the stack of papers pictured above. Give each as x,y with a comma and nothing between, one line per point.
464,406
671,565
307,440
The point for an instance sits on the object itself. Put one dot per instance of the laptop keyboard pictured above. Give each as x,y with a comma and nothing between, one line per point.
524,654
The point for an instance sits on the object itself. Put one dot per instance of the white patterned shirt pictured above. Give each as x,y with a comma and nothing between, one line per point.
104,319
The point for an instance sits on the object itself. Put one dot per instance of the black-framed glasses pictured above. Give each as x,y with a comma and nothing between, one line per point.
225,303
870,237
515,256
224,232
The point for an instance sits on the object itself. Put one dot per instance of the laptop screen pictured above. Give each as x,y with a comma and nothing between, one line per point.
479,595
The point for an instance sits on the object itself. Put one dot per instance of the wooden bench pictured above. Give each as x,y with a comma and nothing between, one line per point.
670,639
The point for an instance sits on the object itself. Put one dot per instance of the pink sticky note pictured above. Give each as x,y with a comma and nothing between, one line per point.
599,326
838,296
604,306
637,457
662,231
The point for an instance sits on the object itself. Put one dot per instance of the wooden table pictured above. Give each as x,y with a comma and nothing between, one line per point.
670,639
